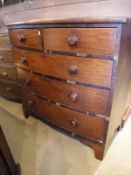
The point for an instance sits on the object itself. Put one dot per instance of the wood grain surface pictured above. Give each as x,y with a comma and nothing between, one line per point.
32,38
99,41
87,98
81,124
91,71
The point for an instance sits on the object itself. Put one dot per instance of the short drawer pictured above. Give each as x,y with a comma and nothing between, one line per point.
8,72
80,97
72,121
98,41
6,57
85,70
9,90
30,38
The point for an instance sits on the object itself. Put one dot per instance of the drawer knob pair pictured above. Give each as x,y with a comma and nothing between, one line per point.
73,40
21,38
73,69
23,60
4,74
73,96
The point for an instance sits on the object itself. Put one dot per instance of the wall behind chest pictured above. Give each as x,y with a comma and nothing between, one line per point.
38,10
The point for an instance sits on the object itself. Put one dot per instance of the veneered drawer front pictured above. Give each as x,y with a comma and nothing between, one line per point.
72,121
6,57
9,90
86,70
30,38
99,41
8,72
76,96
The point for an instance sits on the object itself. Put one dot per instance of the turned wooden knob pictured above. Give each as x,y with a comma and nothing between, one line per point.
4,74
73,69
73,40
21,38
1,58
30,103
73,96
8,88
74,122
23,60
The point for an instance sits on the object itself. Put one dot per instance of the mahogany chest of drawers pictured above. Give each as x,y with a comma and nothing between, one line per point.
8,83
75,76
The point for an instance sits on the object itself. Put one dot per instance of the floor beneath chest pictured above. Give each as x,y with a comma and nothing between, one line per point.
43,151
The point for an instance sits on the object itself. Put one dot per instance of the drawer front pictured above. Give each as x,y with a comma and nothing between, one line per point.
85,70
6,57
26,38
79,97
81,124
8,72
99,41
9,90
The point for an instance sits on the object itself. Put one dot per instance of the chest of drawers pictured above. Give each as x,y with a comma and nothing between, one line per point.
75,76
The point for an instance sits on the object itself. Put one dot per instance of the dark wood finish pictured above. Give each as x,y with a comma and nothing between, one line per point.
8,72
81,124
86,98
122,82
7,163
81,40
78,65
26,38
90,71
9,90
98,148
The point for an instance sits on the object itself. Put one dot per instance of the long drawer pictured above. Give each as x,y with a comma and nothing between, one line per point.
86,70
99,41
72,121
83,98
7,72
29,38
9,90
